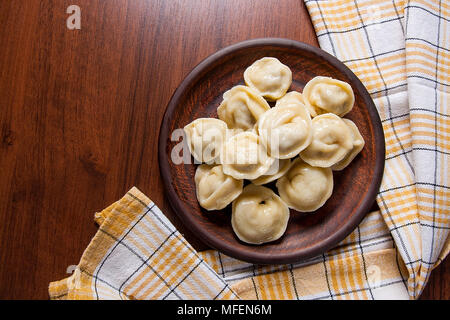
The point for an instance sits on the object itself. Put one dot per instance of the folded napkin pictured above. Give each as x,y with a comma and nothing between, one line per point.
400,52
138,254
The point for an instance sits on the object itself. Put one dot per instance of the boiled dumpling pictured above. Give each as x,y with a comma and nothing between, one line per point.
259,215
244,157
241,107
331,141
285,130
292,97
233,132
295,97
269,77
324,94
215,190
205,137
305,188
278,169
358,145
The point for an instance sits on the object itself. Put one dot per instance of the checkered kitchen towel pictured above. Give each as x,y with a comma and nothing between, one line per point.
400,52
138,254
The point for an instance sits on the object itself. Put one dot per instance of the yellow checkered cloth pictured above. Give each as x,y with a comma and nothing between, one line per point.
138,254
400,52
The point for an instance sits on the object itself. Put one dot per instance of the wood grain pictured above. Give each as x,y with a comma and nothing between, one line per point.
81,110
307,235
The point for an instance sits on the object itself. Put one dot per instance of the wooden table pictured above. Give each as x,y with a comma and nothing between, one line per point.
81,110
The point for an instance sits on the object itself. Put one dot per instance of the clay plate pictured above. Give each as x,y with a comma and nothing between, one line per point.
307,235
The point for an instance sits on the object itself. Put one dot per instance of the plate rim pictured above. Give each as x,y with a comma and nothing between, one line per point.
326,243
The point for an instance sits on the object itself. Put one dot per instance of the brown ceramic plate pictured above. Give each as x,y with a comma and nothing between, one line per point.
307,235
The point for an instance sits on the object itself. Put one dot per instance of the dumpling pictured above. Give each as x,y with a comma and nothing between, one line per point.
269,77
244,157
305,188
205,137
331,141
358,145
233,132
295,97
259,215
215,190
285,130
324,94
241,107
276,170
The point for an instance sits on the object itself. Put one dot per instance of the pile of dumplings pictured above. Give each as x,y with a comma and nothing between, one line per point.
297,143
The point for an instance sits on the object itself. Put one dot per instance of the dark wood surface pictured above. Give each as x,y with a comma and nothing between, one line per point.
81,110
307,235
